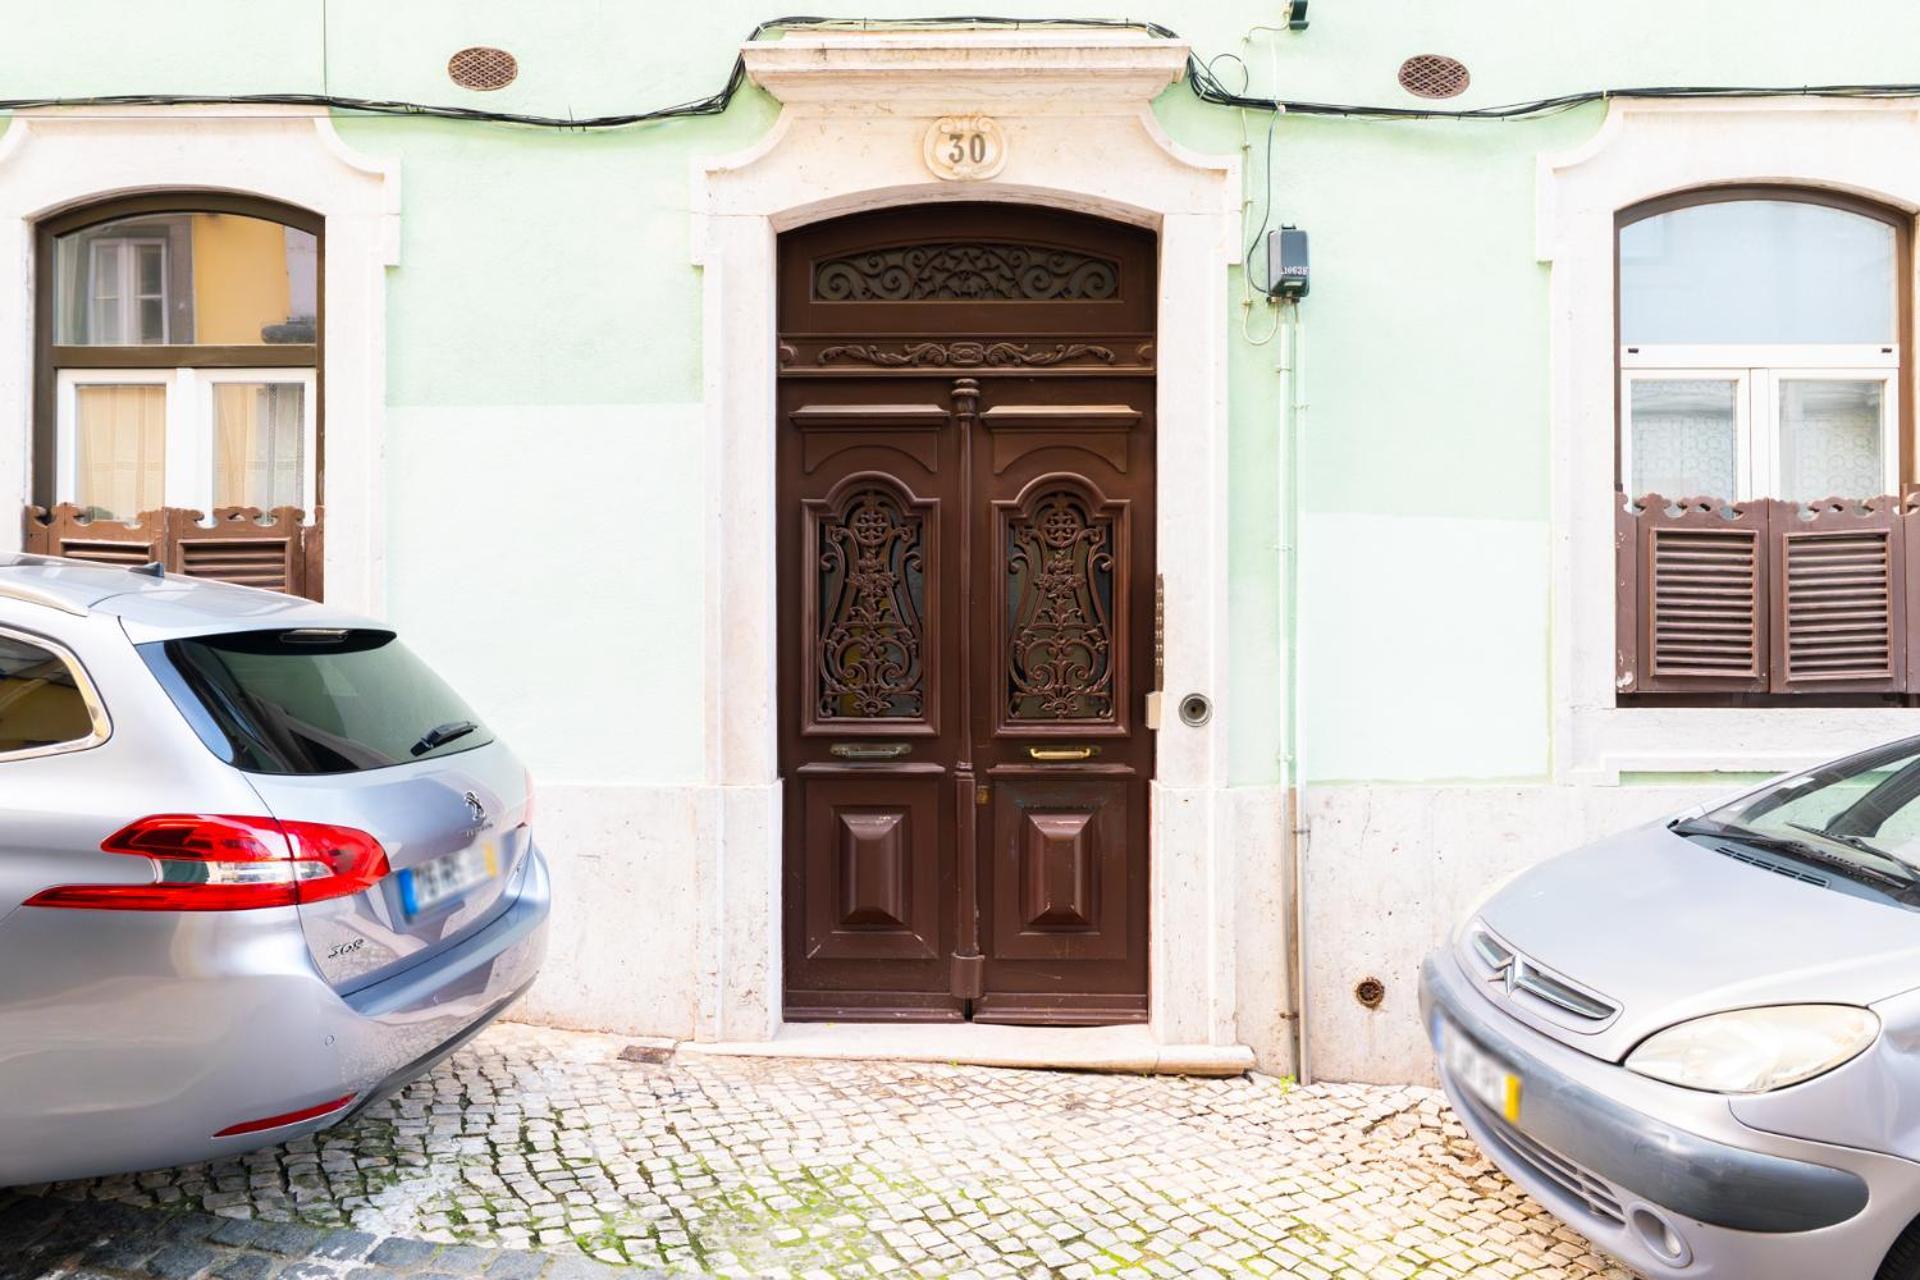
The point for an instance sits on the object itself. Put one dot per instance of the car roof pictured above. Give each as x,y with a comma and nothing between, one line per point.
157,607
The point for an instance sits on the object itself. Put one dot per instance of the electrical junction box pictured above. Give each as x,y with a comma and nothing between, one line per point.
1287,275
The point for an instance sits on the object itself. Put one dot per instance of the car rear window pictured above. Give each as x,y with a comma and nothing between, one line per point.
313,701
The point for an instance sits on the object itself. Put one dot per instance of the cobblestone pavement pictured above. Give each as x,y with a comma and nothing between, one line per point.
537,1153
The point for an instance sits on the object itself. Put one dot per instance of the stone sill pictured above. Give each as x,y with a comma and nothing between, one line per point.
1131,1049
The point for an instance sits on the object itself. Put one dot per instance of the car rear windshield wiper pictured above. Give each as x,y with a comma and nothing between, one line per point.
1901,882
1864,845
441,734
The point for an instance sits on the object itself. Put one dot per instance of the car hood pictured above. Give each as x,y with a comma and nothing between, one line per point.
1668,929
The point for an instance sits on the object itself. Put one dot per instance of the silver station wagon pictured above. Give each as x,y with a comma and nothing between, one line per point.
259,866
1698,1042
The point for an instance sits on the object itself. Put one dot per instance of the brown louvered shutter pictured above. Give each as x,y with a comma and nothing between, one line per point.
241,545
1699,596
67,530
1626,596
1908,624
1839,596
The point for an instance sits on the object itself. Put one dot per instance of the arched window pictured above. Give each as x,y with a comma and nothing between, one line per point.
178,372
1762,331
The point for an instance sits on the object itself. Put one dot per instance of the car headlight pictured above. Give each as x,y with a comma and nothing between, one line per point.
1755,1050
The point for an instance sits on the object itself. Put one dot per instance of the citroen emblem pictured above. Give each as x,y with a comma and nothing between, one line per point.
474,806
1508,972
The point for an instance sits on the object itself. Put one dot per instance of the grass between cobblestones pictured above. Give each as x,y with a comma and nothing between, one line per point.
544,1141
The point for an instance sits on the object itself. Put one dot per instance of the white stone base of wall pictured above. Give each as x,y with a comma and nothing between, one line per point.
622,946
1390,869
626,954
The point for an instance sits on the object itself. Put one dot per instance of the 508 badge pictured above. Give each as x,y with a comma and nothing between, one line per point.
346,948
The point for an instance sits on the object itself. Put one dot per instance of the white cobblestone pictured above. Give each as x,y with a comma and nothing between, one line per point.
832,1170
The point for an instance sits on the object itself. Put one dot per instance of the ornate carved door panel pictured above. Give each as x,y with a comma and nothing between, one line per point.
966,550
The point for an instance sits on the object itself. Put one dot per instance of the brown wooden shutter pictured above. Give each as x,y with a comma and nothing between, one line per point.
1906,621
1839,596
67,530
242,546
1699,594
1626,595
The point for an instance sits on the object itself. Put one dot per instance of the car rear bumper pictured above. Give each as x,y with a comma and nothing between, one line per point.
1666,1179
223,1022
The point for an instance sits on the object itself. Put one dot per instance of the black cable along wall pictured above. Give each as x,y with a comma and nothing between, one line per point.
1201,80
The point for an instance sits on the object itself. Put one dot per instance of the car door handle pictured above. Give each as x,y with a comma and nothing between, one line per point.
871,750
1062,753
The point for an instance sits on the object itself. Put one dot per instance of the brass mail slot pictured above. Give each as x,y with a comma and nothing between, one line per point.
871,750
1062,753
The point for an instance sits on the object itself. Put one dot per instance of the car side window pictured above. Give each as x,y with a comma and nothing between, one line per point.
43,703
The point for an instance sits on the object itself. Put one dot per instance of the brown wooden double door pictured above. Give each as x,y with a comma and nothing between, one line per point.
966,455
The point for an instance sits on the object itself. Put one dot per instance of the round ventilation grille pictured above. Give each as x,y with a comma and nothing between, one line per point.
482,67
1434,75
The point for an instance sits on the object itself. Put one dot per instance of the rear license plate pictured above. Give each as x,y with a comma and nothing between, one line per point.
426,886
1481,1074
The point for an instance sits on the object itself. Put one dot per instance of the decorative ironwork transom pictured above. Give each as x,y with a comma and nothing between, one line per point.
1060,626
964,354
1434,75
483,67
871,583
980,271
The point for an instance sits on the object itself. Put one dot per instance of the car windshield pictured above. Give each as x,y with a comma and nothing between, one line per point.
1864,809
313,701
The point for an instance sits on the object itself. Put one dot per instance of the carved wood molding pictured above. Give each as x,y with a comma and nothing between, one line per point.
966,354
980,271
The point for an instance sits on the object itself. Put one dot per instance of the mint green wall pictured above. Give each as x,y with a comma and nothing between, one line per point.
542,270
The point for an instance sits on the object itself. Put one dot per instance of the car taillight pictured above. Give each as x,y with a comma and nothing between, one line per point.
218,862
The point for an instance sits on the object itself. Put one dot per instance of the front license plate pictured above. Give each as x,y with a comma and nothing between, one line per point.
426,886
1482,1075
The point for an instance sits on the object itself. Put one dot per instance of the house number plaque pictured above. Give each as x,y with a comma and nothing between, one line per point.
965,148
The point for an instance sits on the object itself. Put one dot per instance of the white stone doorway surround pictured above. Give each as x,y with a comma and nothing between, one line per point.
1073,108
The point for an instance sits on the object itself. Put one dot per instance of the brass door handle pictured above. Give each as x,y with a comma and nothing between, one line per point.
1062,753
871,750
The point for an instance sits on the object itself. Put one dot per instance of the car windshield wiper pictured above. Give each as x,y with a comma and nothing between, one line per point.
441,734
1864,845
1798,849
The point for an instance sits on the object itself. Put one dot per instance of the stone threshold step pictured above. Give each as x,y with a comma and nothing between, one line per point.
1129,1049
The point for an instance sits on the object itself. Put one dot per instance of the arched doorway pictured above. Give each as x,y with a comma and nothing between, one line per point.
966,587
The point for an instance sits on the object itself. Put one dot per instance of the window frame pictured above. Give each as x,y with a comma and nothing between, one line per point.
1757,416
102,722
191,450
128,298
1758,365
52,359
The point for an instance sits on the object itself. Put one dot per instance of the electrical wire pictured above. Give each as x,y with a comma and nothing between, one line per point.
1266,208
710,105
1201,81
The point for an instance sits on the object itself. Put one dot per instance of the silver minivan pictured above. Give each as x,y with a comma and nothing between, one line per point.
1698,1042
259,866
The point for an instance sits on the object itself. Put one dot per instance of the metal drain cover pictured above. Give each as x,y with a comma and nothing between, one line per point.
652,1054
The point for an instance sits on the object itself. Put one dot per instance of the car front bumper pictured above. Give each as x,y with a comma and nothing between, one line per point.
1666,1179
219,1020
